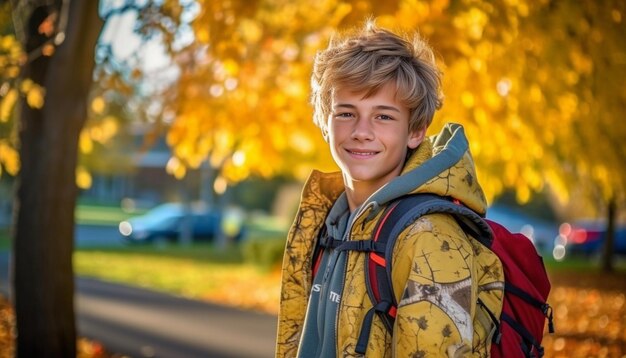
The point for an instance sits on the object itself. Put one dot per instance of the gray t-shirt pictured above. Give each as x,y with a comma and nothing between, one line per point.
319,335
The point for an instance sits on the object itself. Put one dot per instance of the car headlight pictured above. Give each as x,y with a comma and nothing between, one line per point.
125,228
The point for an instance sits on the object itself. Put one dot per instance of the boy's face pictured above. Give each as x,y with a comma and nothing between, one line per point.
369,137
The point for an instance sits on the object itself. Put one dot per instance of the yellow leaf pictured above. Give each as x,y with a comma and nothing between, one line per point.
110,127
12,71
97,105
105,130
26,85
35,96
83,178
536,94
84,142
250,30
522,194
9,158
231,67
301,142
239,158
48,50
176,168
492,99
220,185
202,34
510,174
481,116
7,104
467,98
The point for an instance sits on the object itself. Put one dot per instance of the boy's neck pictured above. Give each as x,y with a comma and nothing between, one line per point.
357,194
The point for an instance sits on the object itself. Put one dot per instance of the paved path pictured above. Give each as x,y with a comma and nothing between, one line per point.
142,323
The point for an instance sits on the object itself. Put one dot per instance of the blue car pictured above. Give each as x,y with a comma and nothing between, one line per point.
166,222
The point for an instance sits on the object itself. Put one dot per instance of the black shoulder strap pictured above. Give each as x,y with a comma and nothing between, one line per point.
397,217
409,208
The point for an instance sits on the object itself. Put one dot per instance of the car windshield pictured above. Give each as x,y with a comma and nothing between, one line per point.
161,213
170,223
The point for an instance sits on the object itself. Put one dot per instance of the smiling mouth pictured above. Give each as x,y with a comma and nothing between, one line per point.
361,153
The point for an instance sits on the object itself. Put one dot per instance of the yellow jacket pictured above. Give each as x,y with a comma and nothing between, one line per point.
438,271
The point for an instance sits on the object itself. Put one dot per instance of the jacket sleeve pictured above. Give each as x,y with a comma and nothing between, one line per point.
318,195
434,283
295,288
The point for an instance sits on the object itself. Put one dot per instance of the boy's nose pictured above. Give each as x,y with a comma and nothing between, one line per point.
363,130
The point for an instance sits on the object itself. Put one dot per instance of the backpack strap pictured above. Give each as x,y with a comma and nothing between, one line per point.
417,205
528,341
324,241
398,216
543,306
377,278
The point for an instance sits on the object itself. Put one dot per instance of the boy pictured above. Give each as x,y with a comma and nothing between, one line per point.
375,94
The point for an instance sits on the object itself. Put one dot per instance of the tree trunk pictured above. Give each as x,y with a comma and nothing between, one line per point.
609,240
43,232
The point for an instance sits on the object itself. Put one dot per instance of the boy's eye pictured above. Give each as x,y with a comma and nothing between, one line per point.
343,115
384,117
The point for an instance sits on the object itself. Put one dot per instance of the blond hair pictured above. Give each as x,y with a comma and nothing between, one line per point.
367,59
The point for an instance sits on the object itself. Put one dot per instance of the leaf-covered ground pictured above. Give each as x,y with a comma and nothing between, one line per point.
589,313
85,348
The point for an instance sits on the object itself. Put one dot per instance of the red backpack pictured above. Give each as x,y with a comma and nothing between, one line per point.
521,324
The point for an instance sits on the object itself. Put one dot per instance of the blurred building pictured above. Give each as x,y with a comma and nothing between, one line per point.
136,170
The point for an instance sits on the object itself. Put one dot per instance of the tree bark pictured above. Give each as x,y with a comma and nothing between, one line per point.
609,240
43,231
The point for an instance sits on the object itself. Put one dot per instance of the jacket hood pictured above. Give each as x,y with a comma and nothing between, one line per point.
441,165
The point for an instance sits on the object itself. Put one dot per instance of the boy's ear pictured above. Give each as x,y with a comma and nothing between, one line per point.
416,138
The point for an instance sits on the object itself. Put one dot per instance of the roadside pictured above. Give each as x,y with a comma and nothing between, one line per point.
136,322
115,320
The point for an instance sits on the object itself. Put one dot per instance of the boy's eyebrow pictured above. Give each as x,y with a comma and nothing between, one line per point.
379,107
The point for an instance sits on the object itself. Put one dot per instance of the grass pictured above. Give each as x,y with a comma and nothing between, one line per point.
86,214
199,271
582,264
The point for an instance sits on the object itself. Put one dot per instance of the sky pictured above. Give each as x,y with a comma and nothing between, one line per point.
150,55
126,43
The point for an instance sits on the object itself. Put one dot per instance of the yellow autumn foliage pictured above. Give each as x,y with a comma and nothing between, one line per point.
537,85
517,86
